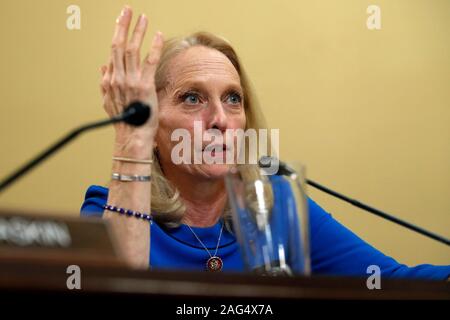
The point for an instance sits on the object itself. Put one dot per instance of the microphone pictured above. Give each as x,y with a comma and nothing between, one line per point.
135,114
285,170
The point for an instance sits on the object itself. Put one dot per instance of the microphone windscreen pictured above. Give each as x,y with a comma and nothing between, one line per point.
137,113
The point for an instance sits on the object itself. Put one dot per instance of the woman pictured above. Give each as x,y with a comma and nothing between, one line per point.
198,78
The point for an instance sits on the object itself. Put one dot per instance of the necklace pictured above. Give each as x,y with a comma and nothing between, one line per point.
214,262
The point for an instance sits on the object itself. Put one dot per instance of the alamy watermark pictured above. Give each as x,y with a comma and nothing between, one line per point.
74,280
374,19
73,21
234,146
374,280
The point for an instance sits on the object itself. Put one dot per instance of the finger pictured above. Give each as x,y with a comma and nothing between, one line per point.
132,59
117,54
110,66
120,36
151,61
105,85
106,81
110,72
103,70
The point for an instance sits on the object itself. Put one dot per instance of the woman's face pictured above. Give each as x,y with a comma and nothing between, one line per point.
203,87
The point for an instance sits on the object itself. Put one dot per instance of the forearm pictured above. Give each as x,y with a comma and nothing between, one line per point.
133,234
125,80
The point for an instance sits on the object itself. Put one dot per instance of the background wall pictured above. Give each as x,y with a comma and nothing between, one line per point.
367,112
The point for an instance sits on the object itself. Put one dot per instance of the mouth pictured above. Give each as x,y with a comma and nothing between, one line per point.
215,148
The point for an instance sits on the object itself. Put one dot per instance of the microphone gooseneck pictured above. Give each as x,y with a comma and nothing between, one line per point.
284,169
136,114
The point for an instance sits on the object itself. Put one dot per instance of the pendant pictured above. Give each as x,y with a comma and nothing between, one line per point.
214,264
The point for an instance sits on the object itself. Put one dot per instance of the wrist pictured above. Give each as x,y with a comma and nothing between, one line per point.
130,169
136,148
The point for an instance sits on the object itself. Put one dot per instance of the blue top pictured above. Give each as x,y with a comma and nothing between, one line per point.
335,250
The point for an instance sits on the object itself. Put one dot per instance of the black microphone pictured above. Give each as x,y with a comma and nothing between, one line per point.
284,169
136,114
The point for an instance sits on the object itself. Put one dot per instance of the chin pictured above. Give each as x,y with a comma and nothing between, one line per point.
214,171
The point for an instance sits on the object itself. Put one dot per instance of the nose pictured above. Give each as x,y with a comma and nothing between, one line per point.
217,117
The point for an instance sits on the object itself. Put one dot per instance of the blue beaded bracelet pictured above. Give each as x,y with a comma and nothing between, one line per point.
128,212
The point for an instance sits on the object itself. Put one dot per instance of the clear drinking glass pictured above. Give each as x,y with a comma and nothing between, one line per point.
270,218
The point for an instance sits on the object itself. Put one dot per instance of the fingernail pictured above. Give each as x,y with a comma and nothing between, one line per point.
142,20
125,11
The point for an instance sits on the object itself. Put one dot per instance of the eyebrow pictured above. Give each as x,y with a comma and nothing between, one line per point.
202,84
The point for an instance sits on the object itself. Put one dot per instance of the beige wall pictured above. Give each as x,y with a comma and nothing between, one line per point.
368,112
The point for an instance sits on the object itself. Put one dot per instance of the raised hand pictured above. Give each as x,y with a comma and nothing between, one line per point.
126,79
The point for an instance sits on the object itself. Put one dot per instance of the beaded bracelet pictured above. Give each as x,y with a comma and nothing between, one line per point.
128,212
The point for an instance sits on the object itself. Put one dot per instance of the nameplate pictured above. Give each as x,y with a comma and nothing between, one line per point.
26,235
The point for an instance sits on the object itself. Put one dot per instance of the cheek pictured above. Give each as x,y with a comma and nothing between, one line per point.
238,122
170,122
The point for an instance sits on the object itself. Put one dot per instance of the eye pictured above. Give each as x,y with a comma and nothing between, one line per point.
234,98
190,98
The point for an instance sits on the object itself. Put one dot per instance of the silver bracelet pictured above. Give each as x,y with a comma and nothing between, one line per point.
148,161
128,178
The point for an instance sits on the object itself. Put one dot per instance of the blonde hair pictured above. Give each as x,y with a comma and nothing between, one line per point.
167,205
